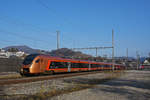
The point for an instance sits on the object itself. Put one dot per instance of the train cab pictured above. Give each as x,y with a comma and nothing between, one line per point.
30,64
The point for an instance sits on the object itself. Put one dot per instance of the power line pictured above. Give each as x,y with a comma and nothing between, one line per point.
96,48
47,7
44,5
21,36
89,48
19,43
92,48
18,23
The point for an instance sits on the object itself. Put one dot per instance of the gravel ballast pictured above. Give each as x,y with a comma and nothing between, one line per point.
128,85
134,85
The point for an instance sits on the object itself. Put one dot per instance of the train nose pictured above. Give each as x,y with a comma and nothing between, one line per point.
25,69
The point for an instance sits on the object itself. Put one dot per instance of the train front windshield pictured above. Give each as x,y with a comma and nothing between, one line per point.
28,60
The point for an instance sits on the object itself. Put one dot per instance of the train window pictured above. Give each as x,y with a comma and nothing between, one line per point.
29,59
79,65
97,65
58,65
83,65
93,65
107,66
75,65
37,61
52,65
86,65
63,64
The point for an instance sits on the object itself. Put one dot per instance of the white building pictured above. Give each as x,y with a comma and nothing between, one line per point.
19,53
147,62
6,54
3,54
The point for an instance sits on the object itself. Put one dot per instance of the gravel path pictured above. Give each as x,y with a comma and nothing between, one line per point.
134,85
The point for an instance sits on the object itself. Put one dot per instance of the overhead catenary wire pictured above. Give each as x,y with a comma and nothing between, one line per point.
10,20
22,36
8,42
54,12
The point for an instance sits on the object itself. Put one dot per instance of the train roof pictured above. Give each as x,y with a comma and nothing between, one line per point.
67,59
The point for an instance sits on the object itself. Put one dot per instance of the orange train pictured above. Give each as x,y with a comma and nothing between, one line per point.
43,64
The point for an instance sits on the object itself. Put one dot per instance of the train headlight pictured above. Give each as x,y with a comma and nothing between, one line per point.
21,70
30,66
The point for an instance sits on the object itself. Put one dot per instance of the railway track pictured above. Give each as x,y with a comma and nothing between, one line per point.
41,78
9,78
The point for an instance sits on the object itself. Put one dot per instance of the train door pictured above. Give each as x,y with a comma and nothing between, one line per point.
89,66
69,66
37,66
42,65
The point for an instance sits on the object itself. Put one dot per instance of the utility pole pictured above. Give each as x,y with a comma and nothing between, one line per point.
96,52
113,61
138,58
127,53
126,58
58,33
97,48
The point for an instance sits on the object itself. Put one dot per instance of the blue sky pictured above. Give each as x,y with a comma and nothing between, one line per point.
82,23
